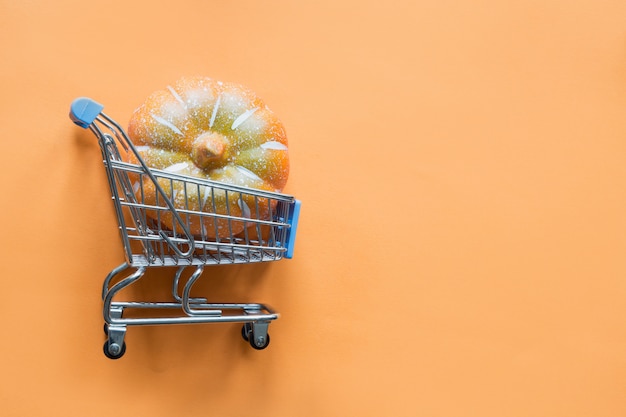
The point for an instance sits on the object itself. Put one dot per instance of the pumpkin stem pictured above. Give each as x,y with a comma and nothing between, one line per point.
209,150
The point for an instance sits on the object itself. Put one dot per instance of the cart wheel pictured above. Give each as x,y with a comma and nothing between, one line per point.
114,351
261,346
246,329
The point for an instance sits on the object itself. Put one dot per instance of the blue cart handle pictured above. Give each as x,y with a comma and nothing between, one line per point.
291,232
84,111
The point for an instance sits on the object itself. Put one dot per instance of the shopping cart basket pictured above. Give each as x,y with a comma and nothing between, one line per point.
148,243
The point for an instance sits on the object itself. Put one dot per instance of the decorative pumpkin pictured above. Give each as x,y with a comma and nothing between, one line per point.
212,130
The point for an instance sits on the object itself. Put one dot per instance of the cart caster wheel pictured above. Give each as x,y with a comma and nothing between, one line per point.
246,329
259,344
113,350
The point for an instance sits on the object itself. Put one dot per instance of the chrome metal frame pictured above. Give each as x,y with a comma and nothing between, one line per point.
147,243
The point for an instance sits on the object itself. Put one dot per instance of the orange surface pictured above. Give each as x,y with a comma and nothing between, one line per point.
462,240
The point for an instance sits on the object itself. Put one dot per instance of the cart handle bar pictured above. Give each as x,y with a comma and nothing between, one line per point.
83,112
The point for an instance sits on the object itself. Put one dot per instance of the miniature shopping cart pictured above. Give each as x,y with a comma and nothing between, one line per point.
149,243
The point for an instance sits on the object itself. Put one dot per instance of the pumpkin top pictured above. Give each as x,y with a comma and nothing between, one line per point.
212,129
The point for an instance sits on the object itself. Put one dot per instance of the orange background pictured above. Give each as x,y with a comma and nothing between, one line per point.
461,246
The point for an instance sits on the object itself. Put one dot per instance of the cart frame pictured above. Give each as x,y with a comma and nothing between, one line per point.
149,244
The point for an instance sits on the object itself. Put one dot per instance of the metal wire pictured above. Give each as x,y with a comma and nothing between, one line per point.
159,232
